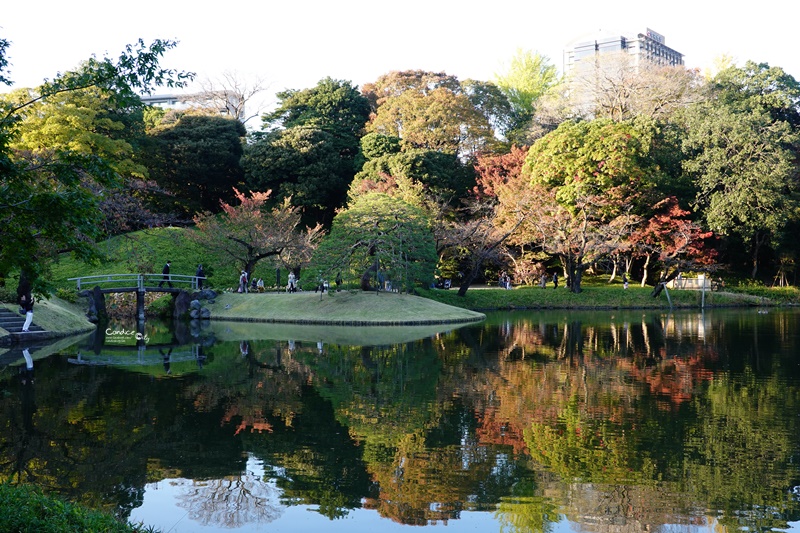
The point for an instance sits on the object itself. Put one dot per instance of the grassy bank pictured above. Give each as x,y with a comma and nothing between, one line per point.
338,308
25,508
57,316
592,297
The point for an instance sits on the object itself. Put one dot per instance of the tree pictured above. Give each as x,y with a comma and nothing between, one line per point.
89,122
301,163
596,158
229,94
309,152
247,233
579,235
198,160
745,171
440,174
379,238
527,78
495,170
584,181
433,111
46,204
759,86
676,242
614,86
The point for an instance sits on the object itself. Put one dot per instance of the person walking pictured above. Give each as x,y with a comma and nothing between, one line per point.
243,281
200,275
26,303
165,272
555,280
624,280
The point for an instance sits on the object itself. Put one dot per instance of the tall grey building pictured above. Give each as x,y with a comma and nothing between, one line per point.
648,46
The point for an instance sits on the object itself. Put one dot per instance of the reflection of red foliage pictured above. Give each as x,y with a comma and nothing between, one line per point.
675,379
490,430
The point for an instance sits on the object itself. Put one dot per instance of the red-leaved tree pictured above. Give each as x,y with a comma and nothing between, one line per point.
675,241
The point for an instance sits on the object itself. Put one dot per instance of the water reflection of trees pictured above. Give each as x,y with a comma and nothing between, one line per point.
639,421
600,421
231,502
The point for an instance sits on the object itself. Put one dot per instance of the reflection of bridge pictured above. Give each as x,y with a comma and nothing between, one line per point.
138,283
138,356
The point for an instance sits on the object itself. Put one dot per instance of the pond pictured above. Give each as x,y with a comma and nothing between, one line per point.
527,422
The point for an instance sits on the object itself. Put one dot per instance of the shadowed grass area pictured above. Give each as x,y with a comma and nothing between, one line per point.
342,308
58,315
592,297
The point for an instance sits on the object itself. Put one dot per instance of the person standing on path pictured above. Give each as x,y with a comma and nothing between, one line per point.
200,275
165,279
555,280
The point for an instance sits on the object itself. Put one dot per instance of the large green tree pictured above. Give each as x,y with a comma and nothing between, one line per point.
584,180
379,238
47,200
198,160
741,147
745,172
310,148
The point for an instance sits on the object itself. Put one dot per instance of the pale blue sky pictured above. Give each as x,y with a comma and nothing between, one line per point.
295,44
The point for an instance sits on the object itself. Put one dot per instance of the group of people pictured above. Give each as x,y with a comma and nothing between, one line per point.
543,280
245,283
200,274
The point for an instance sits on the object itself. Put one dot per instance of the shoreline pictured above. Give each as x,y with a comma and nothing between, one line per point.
368,309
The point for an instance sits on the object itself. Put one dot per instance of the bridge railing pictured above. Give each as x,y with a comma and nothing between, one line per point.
139,281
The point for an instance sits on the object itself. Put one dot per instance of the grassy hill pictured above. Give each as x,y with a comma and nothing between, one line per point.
146,251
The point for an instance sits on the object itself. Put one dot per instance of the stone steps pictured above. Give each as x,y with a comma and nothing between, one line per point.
13,322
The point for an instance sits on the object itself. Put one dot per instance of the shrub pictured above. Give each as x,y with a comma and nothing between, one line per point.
26,508
68,295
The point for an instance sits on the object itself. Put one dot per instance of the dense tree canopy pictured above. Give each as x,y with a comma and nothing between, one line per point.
309,152
379,238
740,148
434,111
198,160
47,199
526,79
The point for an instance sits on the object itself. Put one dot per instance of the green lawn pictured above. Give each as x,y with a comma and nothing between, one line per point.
342,308
594,296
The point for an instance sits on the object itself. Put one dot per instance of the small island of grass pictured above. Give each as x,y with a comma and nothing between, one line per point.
354,308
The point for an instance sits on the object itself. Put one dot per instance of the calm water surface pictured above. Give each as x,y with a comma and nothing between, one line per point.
528,422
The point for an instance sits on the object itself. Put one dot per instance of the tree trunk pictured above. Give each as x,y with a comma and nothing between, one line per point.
614,262
758,239
644,274
577,275
469,278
